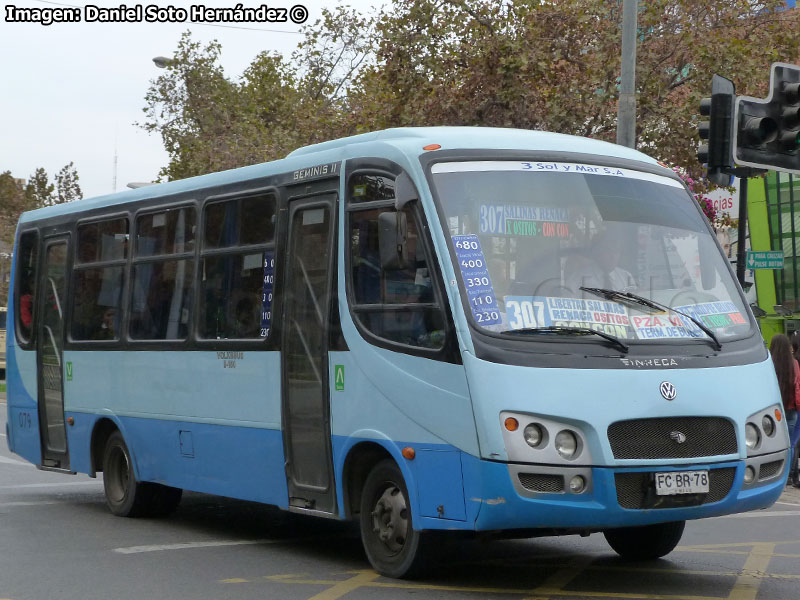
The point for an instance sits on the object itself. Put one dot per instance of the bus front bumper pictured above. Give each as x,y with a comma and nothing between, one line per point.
536,497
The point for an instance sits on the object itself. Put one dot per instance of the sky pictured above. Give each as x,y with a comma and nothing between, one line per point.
72,92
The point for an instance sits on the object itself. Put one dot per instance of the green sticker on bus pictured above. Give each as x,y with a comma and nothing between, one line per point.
69,370
338,371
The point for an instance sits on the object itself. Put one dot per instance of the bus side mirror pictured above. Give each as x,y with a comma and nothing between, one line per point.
404,191
392,236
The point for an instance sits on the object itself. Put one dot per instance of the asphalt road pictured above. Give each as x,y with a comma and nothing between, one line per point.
58,541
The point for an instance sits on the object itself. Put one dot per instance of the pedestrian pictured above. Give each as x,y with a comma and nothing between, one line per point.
788,371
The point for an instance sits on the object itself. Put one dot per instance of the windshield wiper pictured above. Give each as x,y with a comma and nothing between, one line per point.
616,342
616,294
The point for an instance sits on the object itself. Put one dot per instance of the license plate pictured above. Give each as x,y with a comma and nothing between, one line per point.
681,482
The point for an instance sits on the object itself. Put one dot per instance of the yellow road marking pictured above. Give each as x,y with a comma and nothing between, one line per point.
346,586
563,576
754,570
748,578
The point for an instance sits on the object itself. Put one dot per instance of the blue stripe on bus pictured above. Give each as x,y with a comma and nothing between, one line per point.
233,461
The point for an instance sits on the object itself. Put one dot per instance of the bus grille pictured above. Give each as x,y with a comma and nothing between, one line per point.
542,482
637,490
656,438
769,469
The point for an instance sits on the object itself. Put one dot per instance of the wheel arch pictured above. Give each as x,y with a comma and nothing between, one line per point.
101,431
359,460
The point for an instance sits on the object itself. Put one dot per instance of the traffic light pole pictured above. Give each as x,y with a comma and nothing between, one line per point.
741,251
744,174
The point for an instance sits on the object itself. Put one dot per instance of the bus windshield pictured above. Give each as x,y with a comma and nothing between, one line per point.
578,246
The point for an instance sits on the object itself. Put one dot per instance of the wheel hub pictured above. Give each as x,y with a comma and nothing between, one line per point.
390,518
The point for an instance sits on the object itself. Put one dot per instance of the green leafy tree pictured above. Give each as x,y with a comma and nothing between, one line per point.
67,188
39,189
533,65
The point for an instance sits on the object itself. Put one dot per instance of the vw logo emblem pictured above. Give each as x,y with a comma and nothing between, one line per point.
668,390
677,437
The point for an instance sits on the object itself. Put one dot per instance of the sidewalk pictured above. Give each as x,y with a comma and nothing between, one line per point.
790,494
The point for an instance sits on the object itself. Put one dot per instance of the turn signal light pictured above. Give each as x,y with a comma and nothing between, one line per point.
431,147
511,424
409,453
778,415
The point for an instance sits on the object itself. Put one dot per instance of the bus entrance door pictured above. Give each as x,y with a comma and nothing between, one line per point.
49,350
306,415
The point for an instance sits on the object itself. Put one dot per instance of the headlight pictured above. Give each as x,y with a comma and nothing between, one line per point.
534,435
751,436
566,444
768,425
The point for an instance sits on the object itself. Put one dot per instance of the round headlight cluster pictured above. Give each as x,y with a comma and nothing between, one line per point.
534,435
752,436
567,444
768,425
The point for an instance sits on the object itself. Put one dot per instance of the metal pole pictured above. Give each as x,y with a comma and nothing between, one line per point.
626,109
741,252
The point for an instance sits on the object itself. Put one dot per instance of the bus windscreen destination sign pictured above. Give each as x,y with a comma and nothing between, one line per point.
768,259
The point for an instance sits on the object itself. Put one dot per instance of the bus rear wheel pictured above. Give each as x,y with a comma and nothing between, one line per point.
393,547
647,542
127,497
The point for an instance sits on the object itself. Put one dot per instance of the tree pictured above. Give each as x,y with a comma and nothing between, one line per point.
67,188
18,196
532,65
39,189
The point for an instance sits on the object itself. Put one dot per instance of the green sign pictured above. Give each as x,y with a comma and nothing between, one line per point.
769,259
69,370
338,371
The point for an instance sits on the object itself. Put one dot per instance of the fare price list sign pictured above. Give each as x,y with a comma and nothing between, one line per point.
267,292
475,275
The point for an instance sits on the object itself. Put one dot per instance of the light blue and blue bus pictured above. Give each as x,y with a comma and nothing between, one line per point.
427,330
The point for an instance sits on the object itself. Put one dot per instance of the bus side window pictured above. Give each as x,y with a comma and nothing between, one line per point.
99,277
163,273
397,305
237,268
25,283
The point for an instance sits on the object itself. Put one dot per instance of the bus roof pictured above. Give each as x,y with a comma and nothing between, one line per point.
406,140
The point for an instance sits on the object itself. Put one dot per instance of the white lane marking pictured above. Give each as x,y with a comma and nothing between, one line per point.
11,461
38,503
189,545
47,485
755,514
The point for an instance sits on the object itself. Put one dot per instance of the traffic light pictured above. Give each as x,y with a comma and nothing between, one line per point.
768,130
718,130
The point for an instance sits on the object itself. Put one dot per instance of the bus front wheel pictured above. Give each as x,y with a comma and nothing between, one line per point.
647,542
392,545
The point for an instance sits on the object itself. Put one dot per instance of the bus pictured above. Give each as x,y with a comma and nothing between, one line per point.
424,330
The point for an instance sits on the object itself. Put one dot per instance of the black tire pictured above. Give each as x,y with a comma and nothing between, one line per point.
392,546
645,543
127,497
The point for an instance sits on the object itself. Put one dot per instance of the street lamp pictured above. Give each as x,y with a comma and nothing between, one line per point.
162,62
